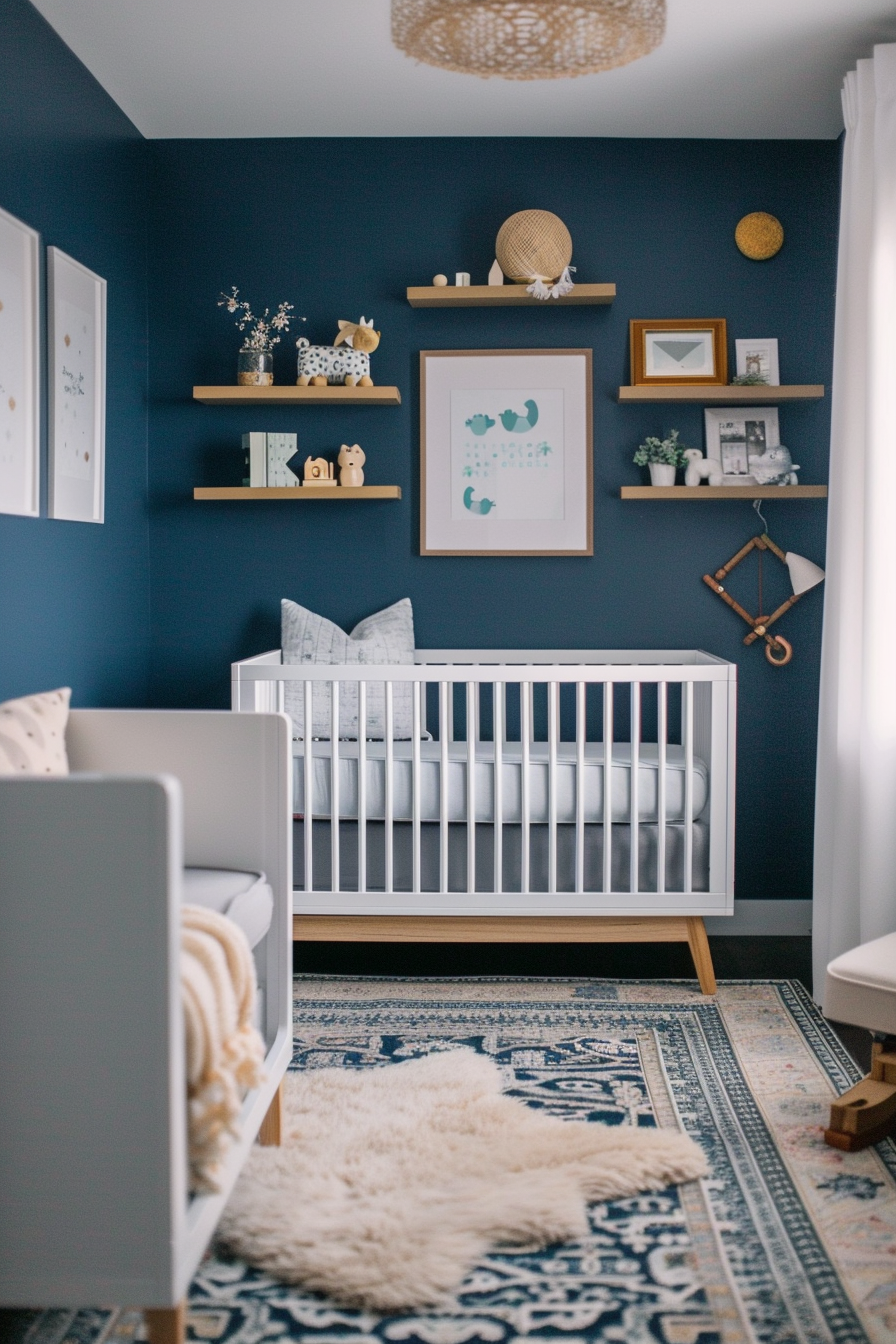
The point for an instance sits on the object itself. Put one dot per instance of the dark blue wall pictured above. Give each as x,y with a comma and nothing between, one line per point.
75,596
339,228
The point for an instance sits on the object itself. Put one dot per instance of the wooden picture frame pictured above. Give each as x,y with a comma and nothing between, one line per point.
19,367
678,352
506,452
76,342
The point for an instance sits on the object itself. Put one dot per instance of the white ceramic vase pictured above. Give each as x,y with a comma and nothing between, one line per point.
661,473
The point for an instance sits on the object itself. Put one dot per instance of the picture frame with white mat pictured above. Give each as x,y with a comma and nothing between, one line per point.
19,367
76,343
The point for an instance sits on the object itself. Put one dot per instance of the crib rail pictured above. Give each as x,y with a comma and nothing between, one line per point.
562,760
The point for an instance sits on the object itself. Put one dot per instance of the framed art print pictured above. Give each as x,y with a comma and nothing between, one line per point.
506,452
758,359
679,351
19,368
76,303
735,435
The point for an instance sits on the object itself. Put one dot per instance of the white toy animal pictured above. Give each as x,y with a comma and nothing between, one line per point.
701,468
775,466
351,460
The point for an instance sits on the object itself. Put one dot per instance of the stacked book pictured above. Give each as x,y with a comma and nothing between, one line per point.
271,459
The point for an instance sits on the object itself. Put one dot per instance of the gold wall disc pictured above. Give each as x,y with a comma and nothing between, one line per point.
759,236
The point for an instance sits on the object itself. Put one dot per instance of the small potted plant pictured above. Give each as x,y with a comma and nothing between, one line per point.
255,363
662,456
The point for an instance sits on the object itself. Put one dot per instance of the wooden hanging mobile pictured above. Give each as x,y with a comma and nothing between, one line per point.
778,650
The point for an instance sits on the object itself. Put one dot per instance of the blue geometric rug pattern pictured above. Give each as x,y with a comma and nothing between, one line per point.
787,1241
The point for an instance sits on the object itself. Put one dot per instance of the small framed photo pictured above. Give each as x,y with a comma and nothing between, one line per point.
506,452
19,368
76,303
735,435
758,359
685,351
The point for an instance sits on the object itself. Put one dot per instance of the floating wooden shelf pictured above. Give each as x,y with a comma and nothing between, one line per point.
726,396
288,395
502,296
299,494
744,492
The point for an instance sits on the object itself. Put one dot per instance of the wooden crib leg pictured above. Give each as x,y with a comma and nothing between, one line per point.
166,1325
699,945
271,1128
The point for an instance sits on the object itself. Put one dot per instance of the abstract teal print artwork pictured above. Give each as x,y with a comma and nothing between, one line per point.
507,454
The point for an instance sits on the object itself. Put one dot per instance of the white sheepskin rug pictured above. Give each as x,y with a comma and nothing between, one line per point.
392,1182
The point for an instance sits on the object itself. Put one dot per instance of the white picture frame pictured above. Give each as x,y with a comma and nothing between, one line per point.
76,307
736,434
758,356
19,367
506,456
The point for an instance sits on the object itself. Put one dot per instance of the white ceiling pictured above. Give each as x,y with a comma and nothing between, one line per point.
208,68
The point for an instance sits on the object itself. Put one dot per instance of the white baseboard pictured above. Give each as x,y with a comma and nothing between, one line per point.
763,917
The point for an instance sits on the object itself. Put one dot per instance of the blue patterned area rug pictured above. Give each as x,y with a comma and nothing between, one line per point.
787,1241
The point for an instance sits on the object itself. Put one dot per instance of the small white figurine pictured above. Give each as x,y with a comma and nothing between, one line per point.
701,468
462,279
351,460
774,466
496,275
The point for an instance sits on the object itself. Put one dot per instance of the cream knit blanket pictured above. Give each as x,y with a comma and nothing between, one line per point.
224,1051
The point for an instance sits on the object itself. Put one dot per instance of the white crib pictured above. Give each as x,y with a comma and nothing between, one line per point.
495,818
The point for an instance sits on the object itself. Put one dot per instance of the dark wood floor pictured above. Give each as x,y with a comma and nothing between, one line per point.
734,959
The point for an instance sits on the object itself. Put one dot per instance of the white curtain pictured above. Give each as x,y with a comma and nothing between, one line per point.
855,814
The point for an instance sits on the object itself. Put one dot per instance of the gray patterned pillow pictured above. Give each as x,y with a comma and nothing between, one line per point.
385,637
32,734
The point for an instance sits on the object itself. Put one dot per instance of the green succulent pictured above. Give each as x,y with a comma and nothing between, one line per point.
667,451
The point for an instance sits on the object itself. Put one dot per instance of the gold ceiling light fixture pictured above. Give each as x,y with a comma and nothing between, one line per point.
541,39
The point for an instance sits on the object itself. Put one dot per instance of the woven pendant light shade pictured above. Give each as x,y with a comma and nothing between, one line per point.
542,39
533,245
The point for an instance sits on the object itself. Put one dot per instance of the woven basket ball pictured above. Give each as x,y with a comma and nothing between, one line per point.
533,245
759,236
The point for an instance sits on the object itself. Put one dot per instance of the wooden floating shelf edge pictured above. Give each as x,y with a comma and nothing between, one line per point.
288,395
501,296
733,396
297,493
744,492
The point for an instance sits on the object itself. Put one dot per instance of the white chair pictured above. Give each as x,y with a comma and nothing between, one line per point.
860,989
95,1205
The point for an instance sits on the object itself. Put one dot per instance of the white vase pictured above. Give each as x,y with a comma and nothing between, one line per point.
661,473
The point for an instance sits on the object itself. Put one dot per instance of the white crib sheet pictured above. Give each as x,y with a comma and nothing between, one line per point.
620,775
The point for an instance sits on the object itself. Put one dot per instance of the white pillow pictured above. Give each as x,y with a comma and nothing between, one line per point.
32,734
385,637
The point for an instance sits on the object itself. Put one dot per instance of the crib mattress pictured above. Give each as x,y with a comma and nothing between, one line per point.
511,778
246,898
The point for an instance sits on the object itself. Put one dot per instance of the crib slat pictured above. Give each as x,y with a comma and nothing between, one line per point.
362,786
662,730
581,724
389,772
471,785
553,716
687,715
498,743
308,762
415,785
635,785
446,694
525,795
334,785
281,696
608,786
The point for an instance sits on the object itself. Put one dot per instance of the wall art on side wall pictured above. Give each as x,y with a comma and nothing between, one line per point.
19,368
76,304
678,351
506,452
